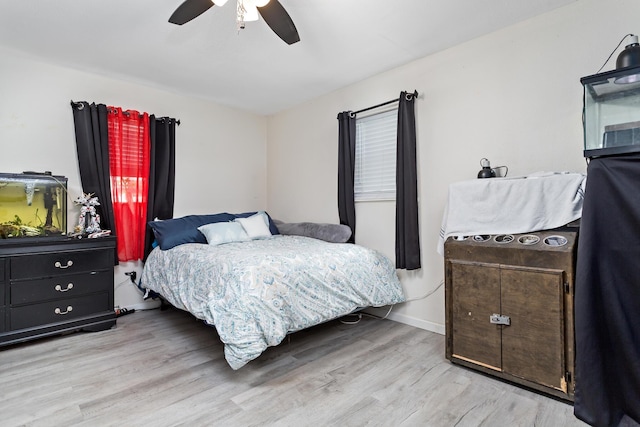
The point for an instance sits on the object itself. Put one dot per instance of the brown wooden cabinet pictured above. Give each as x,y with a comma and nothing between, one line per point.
50,286
509,308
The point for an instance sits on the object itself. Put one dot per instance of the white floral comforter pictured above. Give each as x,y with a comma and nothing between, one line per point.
256,292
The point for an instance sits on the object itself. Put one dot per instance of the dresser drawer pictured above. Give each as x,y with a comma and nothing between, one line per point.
2,319
52,264
2,285
61,287
58,311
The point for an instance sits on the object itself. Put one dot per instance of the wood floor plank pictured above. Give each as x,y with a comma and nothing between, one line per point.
164,368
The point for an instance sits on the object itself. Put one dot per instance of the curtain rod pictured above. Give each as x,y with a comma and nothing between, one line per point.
169,118
80,106
128,113
415,94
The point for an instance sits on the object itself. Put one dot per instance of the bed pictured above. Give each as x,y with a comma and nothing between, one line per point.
256,289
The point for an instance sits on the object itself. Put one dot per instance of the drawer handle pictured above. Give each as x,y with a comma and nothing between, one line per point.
58,311
68,288
59,265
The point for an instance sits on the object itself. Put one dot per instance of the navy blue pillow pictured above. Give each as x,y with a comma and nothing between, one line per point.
272,226
173,232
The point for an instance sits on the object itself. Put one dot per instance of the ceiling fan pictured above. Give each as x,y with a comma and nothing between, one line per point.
271,11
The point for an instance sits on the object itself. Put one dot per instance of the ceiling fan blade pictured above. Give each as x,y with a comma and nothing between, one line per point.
279,21
189,10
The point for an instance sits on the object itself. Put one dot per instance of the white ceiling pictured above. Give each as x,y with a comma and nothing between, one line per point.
342,42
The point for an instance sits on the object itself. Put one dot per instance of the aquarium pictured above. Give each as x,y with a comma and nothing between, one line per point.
612,112
32,205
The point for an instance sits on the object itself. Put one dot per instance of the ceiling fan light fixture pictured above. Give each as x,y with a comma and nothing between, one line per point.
275,16
251,13
252,3
247,12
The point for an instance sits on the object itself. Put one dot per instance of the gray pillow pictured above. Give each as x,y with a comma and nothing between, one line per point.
334,233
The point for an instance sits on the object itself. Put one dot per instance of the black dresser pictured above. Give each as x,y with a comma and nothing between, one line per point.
53,285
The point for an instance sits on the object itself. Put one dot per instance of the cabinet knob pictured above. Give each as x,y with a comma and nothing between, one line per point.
68,288
59,265
58,311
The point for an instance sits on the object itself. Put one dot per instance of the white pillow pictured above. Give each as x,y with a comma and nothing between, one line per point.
255,226
218,233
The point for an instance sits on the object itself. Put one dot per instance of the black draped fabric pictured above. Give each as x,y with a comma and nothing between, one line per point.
607,296
346,170
407,231
92,145
161,173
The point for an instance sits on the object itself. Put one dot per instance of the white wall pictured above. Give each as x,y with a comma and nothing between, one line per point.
513,96
220,152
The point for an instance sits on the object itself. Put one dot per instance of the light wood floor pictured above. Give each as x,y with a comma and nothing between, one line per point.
164,368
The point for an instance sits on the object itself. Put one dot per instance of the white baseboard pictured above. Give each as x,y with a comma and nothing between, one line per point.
145,305
407,320
418,323
396,317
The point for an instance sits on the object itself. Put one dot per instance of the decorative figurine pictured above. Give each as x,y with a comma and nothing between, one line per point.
89,221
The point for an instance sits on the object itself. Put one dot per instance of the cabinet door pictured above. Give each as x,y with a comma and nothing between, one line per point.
533,345
475,290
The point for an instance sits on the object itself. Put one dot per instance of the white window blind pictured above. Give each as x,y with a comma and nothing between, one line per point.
375,168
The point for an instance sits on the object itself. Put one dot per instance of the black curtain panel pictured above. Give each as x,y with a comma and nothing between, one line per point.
161,173
607,295
407,232
346,170
92,145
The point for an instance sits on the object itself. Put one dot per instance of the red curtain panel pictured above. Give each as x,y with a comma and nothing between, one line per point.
129,156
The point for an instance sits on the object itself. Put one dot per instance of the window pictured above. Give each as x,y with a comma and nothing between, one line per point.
127,151
375,165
